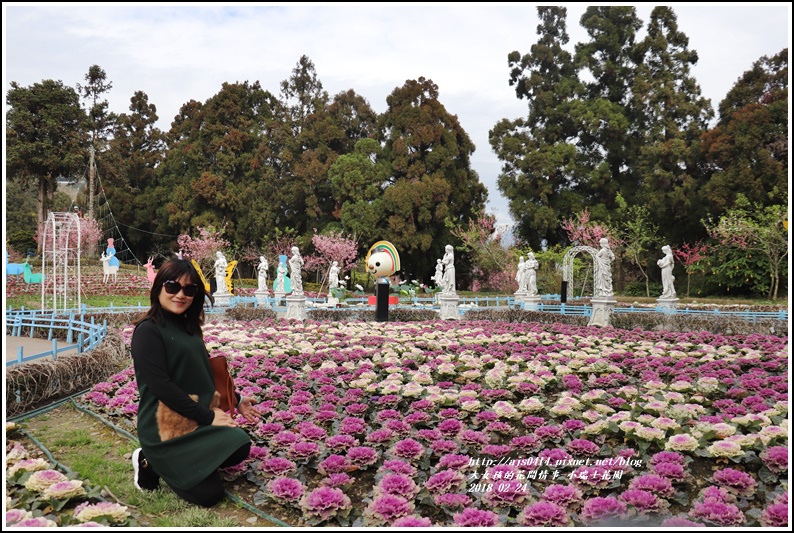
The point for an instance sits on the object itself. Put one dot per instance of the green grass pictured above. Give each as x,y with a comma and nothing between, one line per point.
102,457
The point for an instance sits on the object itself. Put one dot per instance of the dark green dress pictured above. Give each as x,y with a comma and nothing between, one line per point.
169,365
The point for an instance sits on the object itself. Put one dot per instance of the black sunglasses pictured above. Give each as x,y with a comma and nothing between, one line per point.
173,287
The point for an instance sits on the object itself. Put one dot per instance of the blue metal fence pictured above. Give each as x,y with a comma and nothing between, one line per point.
84,335
81,335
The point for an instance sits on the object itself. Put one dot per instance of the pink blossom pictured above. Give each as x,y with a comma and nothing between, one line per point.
471,517
445,481
667,457
672,471
775,515
526,443
301,451
408,449
718,513
334,464
337,480
567,496
450,427
653,483
325,502
385,509
602,509
399,467
451,500
644,502
398,485
736,481
582,447
340,442
285,488
776,458
277,466
496,450
453,461
544,514
381,436
362,456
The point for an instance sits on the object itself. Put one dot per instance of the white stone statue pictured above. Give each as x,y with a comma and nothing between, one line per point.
448,261
603,271
295,267
521,276
262,271
438,277
281,274
220,273
333,276
530,275
666,263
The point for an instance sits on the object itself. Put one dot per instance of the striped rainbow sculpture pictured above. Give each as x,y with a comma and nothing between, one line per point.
383,259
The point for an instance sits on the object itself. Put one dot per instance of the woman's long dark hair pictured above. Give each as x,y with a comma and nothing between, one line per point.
174,269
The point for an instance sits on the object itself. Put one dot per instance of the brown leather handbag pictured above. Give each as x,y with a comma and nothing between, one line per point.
224,383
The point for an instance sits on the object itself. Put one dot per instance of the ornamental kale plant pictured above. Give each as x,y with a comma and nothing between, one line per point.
487,424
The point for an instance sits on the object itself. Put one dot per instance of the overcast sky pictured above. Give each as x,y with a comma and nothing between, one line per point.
176,53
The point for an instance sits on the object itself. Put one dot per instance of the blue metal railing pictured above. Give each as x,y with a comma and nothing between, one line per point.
81,335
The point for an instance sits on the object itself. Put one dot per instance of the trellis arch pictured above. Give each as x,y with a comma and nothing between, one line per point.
567,265
60,261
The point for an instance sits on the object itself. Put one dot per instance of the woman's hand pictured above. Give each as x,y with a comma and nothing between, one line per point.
248,411
223,419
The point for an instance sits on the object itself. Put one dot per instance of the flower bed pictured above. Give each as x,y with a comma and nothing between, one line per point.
39,496
477,423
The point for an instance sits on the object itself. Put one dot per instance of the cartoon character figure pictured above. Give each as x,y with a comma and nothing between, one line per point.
383,259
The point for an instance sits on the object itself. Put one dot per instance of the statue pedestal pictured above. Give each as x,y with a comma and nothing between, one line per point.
666,305
278,296
332,302
531,303
449,306
296,308
222,299
518,297
263,299
602,311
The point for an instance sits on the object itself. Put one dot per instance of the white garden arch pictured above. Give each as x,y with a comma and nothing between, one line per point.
60,262
567,265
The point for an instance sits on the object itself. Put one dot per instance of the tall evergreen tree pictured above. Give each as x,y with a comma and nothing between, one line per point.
100,121
747,152
607,136
670,116
328,133
45,137
211,175
542,169
358,180
430,179
135,152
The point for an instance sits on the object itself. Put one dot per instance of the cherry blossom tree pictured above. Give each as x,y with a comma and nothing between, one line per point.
90,234
203,247
492,264
691,256
332,246
582,231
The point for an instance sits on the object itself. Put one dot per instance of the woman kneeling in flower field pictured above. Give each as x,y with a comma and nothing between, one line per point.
176,387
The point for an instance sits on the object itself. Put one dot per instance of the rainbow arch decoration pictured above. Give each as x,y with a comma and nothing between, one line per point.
385,253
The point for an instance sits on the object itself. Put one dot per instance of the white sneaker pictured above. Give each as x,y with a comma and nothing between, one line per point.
153,481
